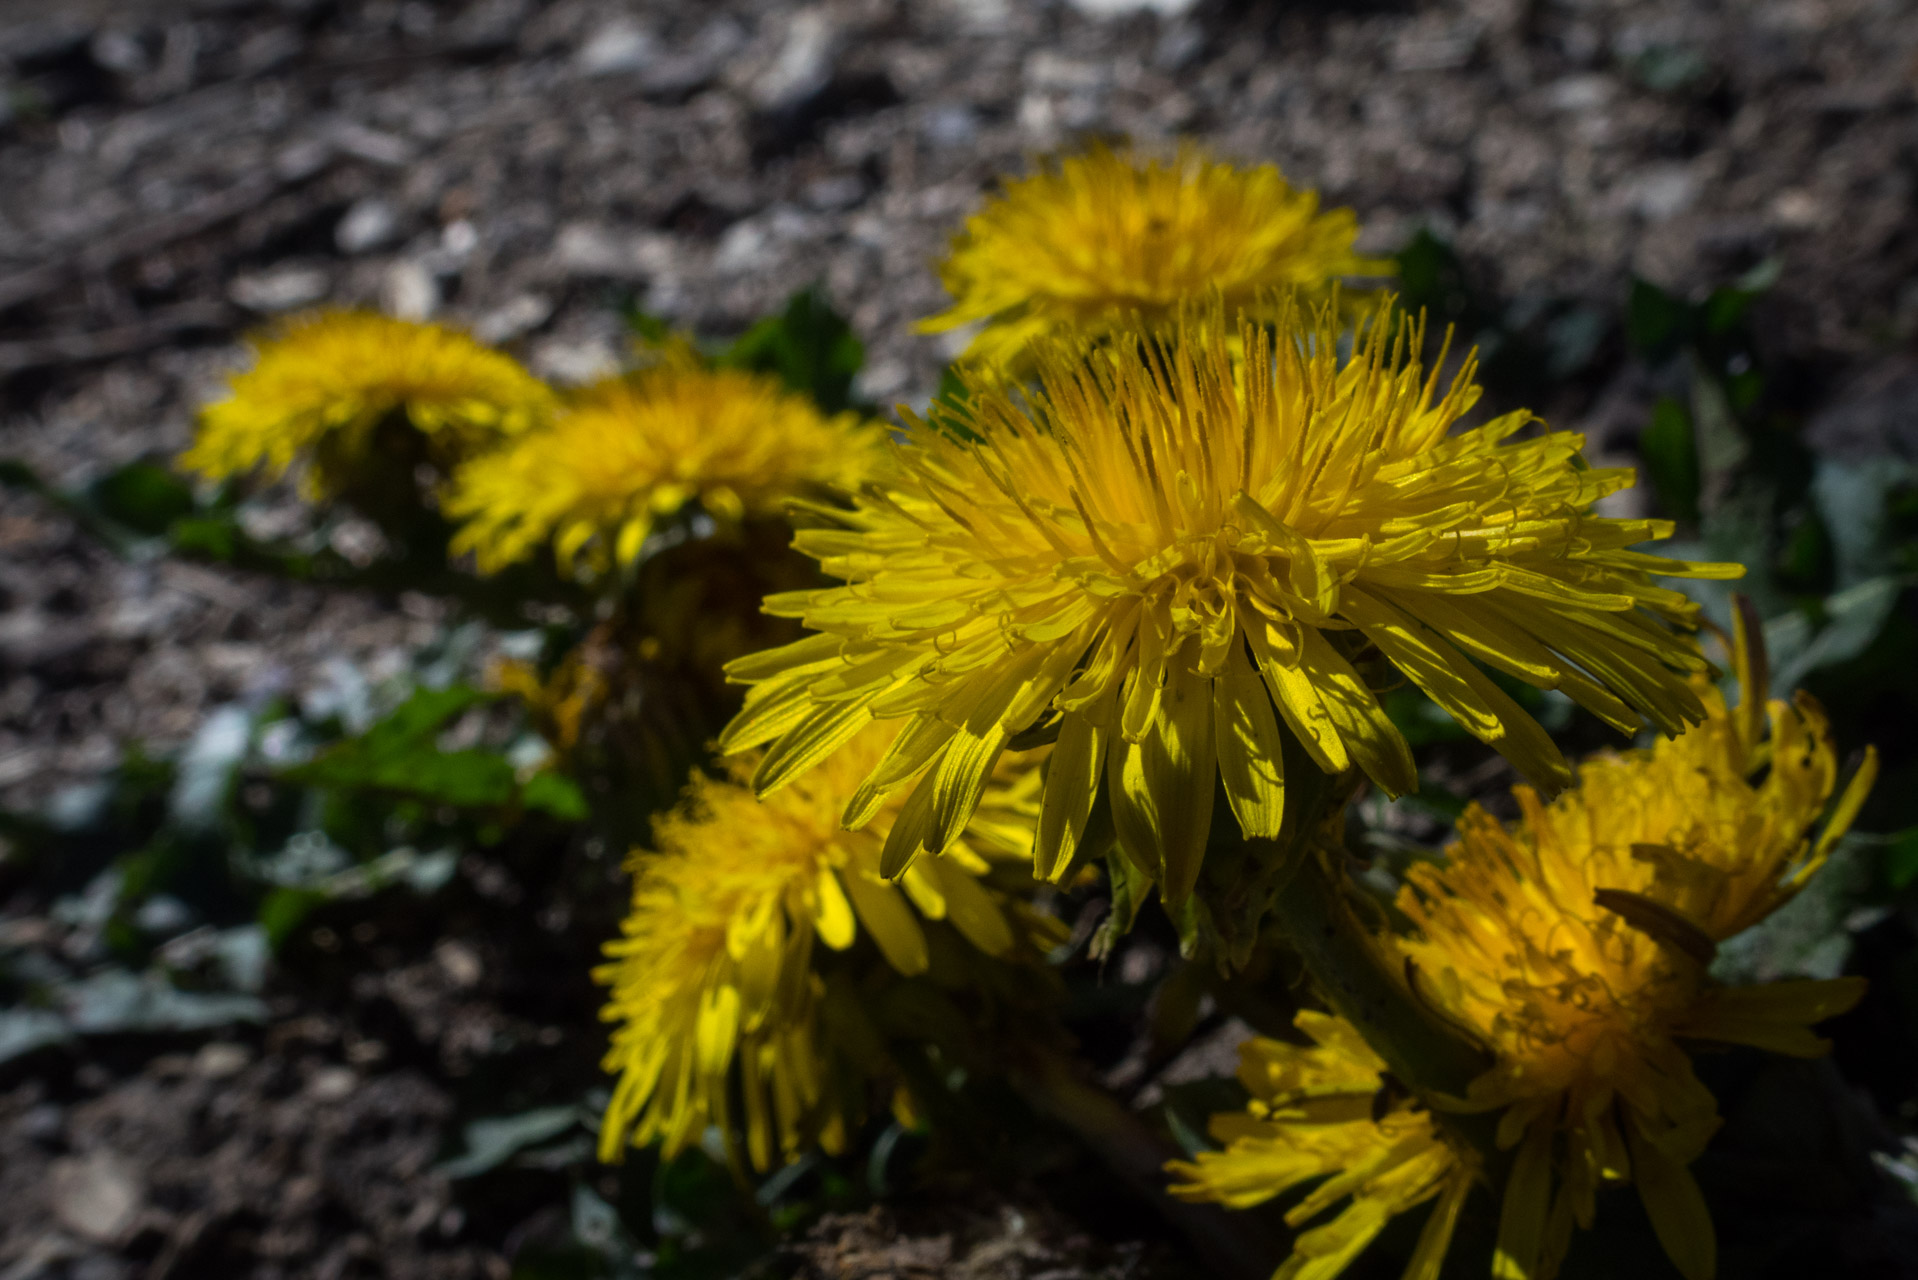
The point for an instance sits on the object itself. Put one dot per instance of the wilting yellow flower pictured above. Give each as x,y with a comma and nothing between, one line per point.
320,385
633,449
1326,1111
1108,240
1171,549
713,980
1576,943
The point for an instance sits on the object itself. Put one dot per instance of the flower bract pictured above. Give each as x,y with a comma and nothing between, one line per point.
631,450
1175,546
714,988
320,385
1325,1111
1107,240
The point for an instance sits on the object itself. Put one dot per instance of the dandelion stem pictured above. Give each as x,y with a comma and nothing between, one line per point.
1361,983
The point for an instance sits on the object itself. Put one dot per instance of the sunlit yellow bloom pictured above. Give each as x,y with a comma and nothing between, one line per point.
1576,944
320,385
1180,543
634,449
1107,240
1325,1111
714,987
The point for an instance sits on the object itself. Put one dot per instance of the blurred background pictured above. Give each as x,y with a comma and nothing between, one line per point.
1685,229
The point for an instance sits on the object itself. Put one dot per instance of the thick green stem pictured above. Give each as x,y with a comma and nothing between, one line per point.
1365,987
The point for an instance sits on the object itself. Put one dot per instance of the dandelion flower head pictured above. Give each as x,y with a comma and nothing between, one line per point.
631,450
1174,546
1576,943
713,979
1325,1110
320,385
1106,239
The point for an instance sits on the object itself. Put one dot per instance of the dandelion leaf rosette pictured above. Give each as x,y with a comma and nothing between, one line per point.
1178,550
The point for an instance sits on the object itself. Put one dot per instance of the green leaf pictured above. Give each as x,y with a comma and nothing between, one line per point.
1670,68
399,755
1901,858
809,345
649,327
1808,937
142,496
554,794
493,1141
1670,453
114,1002
22,1031
1656,323
282,911
1432,278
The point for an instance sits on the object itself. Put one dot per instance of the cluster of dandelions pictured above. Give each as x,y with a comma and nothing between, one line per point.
1192,514
582,475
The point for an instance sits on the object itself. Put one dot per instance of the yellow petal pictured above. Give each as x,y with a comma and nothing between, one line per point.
1250,751
971,908
828,728
832,914
1429,1258
1072,783
1374,742
1521,1219
1675,1206
1179,757
1775,1016
890,922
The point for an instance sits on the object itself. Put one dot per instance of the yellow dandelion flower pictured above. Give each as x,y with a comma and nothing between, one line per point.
322,384
1107,239
1173,548
631,450
1575,943
1325,1110
713,985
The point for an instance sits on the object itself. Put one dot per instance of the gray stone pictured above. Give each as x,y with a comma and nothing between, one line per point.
619,47
97,1196
369,224
280,289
